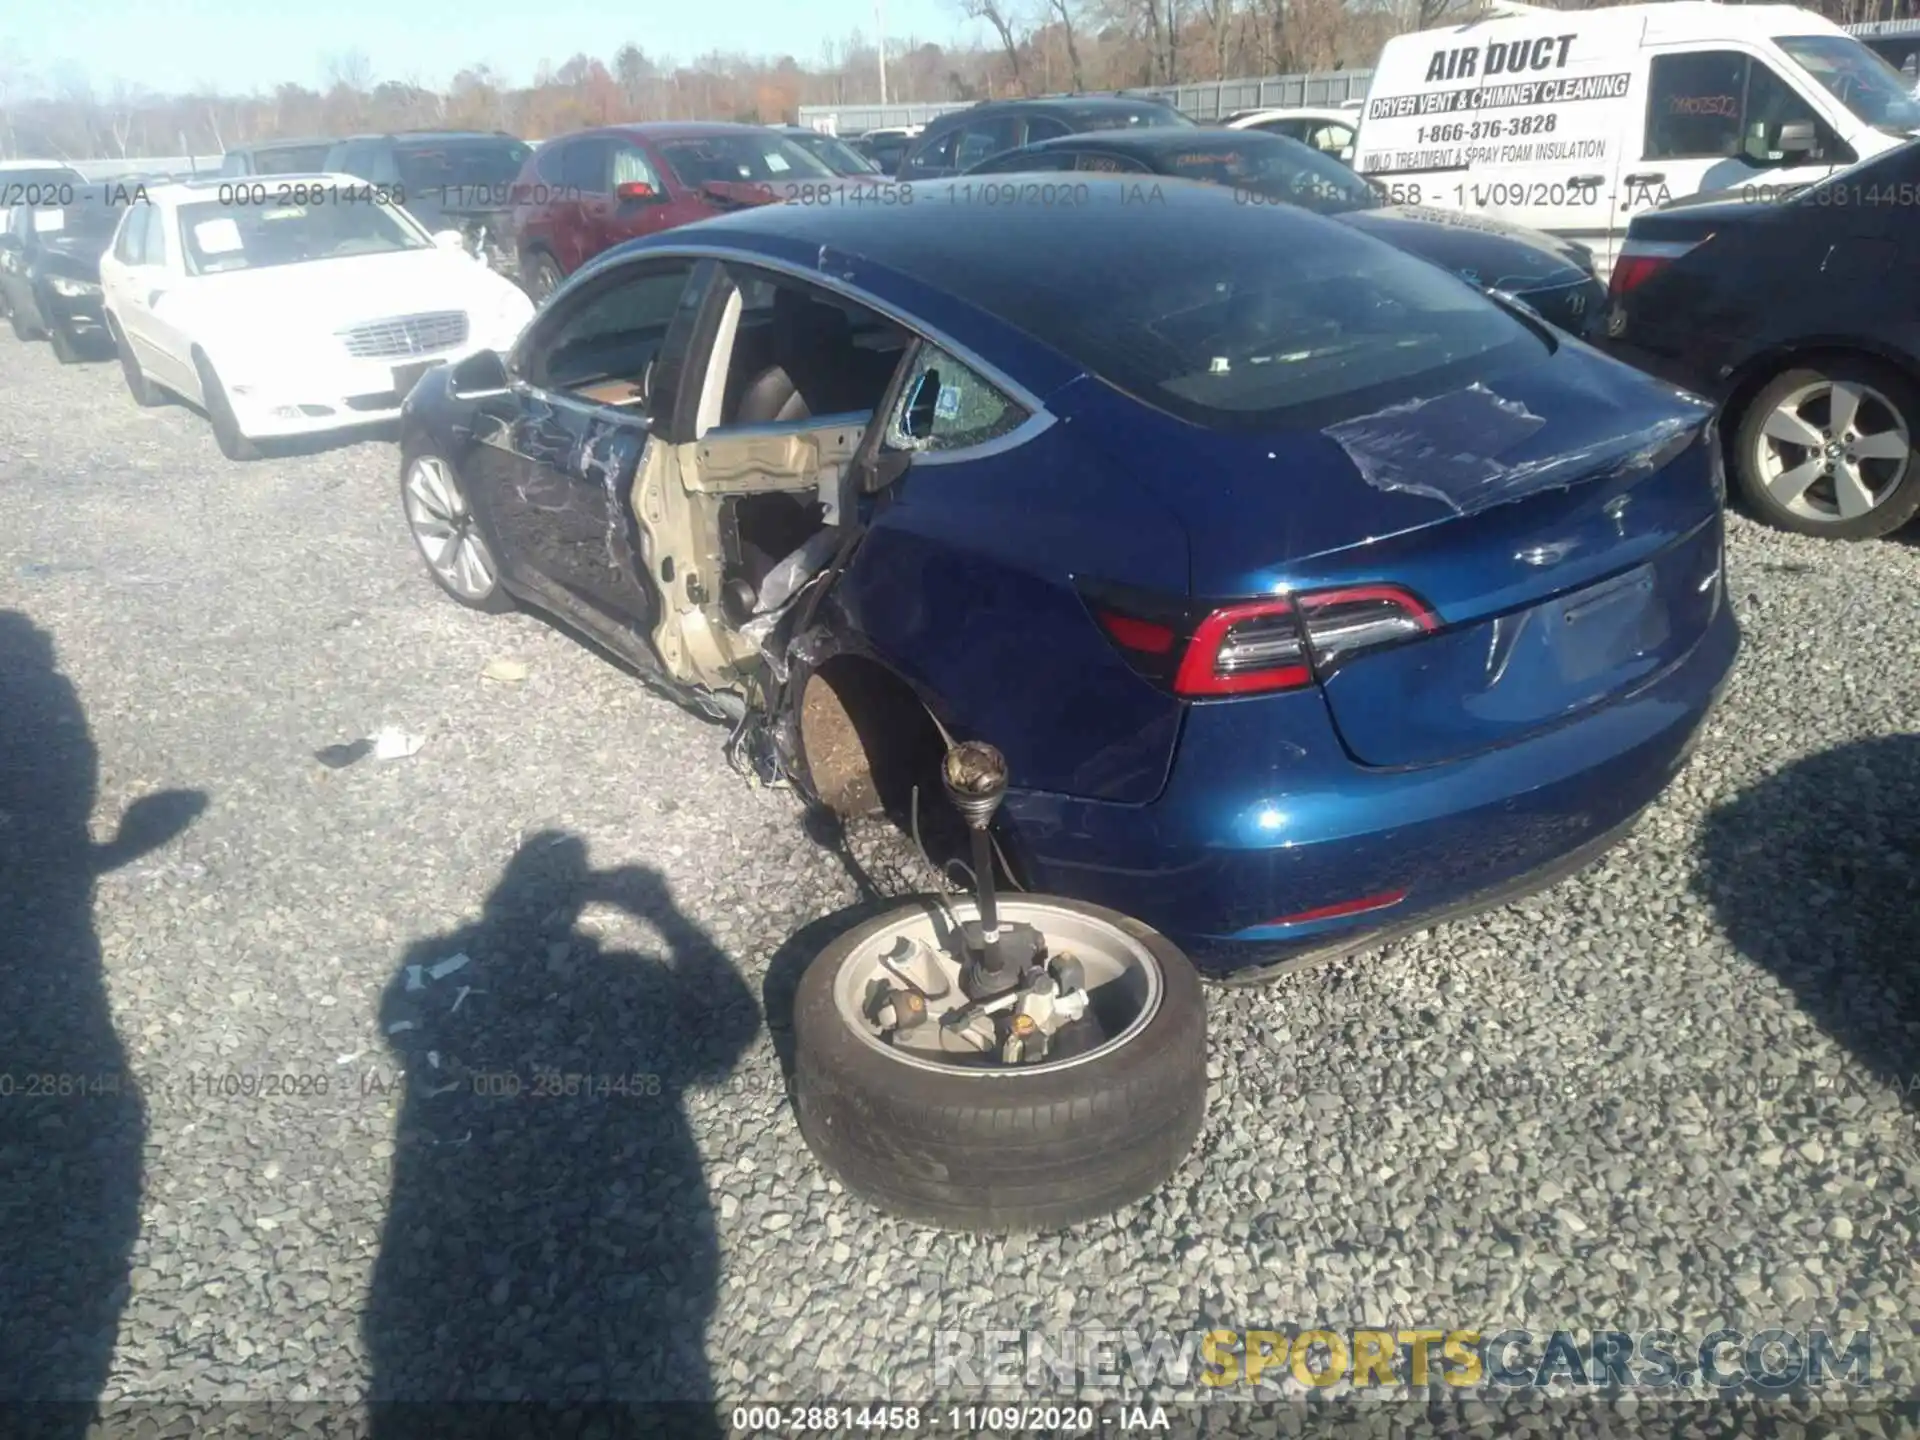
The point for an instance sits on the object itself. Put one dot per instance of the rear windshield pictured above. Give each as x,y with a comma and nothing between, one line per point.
697,159
293,160
1859,79
1232,316
1274,168
1127,117
835,154
459,163
218,237
89,220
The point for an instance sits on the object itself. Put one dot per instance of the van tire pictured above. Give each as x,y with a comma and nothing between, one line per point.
1890,396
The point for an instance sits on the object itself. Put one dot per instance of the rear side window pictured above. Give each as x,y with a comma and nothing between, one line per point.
631,166
292,160
550,167
967,410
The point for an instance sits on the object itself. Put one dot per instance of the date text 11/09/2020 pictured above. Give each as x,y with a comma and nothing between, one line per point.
990,1419
1495,194
538,1084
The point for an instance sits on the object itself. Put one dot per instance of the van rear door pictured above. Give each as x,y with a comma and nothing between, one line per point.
1524,119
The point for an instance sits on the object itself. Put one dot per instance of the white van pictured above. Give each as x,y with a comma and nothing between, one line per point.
1574,121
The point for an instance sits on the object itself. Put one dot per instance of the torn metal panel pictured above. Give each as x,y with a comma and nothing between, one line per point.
1451,448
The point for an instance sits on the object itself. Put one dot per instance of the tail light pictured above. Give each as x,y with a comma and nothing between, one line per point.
1640,260
1256,646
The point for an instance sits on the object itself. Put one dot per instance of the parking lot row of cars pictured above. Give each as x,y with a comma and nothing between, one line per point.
1793,308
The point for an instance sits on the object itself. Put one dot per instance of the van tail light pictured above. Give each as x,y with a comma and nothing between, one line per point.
1252,647
1640,260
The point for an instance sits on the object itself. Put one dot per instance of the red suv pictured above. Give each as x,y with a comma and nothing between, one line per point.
584,193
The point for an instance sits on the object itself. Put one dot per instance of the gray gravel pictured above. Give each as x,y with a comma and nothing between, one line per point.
1676,1091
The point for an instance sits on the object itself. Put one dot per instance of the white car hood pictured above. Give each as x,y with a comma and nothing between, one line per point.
328,295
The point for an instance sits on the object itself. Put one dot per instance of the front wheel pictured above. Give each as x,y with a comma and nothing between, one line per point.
1827,450
226,426
1081,1096
543,277
144,392
447,534
21,329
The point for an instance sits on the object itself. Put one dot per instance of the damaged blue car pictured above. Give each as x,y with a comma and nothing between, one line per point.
1311,594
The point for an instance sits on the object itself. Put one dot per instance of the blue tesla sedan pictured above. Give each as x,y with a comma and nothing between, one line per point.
1311,594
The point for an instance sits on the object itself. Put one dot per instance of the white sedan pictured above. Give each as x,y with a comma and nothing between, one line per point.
1330,131
292,304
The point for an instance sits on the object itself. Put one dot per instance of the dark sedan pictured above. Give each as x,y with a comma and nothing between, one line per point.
50,272
1306,601
1554,276
1799,312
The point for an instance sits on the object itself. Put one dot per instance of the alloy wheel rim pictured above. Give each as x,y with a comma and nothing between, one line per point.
443,528
1123,981
1833,451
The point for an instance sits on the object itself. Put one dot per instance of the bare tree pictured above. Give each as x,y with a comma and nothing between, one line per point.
350,69
1063,12
996,14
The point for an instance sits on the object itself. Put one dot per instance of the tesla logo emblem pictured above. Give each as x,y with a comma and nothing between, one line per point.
1577,304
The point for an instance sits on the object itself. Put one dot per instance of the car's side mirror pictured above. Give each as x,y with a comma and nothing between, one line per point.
1797,137
482,373
922,406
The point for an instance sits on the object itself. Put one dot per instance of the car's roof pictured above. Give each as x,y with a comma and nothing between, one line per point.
298,143
1291,112
1058,105
1668,20
1154,139
679,129
428,137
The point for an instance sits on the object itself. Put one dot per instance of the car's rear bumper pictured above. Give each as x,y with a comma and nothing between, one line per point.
1263,844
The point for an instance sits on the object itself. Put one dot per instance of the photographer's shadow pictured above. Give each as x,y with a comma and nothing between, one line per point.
1814,873
72,1126
550,1235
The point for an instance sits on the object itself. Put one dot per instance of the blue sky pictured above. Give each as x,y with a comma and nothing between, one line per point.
177,45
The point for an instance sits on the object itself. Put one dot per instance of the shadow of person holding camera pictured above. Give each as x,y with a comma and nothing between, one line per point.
550,1236
72,1125
1814,872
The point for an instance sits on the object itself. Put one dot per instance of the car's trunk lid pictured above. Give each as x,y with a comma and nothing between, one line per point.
1561,522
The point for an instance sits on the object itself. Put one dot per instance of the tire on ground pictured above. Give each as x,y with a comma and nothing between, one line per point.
1003,1151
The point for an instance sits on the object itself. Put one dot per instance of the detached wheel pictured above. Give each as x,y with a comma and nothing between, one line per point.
543,277
144,392
226,427
925,1124
1828,450
447,535
21,329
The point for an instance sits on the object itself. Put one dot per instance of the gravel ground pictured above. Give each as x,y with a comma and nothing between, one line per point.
1677,1091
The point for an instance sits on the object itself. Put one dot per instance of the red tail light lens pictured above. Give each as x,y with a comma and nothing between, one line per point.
1242,649
1258,646
1640,260
1633,270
